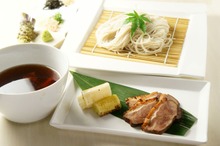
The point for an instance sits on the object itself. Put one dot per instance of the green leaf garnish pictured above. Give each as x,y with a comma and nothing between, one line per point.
179,127
58,17
137,21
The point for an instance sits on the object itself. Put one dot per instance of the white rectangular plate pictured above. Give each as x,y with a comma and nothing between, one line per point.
192,61
193,96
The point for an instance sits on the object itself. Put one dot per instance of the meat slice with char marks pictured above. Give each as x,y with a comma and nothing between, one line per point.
139,106
136,114
131,101
154,112
162,115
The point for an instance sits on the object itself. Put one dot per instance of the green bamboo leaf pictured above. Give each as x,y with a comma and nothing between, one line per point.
179,127
86,82
142,26
143,17
136,14
131,14
138,21
129,19
134,27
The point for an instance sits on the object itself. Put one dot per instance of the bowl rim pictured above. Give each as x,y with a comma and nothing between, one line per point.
61,77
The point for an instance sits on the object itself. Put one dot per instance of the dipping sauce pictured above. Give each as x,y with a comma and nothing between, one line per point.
25,78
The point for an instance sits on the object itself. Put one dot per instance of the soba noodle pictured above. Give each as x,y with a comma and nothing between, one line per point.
114,35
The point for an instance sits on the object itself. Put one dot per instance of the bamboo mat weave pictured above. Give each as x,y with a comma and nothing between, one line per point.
168,57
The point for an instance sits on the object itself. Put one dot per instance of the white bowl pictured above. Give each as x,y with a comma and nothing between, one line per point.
35,105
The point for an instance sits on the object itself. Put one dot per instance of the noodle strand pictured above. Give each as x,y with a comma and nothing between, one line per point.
115,36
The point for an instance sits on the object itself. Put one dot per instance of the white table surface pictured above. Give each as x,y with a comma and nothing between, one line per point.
42,134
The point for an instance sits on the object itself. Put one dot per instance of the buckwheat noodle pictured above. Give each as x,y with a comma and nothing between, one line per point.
114,35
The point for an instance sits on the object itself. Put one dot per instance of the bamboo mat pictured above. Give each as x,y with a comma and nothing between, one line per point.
166,58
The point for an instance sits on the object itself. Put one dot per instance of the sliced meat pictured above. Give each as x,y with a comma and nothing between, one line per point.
162,115
136,114
131,101
170,97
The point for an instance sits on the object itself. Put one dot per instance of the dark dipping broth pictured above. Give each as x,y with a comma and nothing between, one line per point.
30,76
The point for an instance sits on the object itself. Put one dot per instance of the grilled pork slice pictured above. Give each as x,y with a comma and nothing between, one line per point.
137,113
162,115
170,97
131,101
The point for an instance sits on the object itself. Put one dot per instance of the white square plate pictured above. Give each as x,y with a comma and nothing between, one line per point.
192,61
193,96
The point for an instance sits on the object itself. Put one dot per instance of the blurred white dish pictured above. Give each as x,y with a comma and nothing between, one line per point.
11,25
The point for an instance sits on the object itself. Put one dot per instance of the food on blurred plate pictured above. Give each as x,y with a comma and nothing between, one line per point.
46,36
107,105
67,2
155,112
26,33
53,22
91,95
46,29
58,17
53,4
